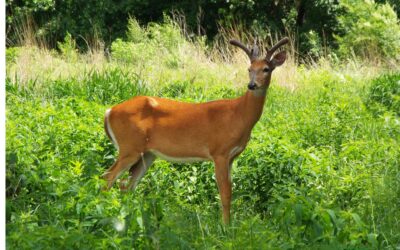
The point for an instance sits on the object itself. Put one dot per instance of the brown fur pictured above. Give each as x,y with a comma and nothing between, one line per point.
217,131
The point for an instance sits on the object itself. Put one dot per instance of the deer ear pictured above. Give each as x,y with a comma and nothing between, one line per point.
279,59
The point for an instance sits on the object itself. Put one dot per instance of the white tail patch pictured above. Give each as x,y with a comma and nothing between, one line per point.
109,129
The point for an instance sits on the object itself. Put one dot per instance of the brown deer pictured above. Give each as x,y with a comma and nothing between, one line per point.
144,127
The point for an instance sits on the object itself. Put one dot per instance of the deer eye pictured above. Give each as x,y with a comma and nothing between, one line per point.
266,70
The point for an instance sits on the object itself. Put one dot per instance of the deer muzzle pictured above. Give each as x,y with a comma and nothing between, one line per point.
252,86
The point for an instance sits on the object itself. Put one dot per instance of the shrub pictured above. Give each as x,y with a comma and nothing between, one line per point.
135,33
68,48
370,30
12,54
312,43
156,42
320,172
129,52
384,94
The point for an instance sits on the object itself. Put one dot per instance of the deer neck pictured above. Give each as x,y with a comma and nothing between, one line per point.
251,106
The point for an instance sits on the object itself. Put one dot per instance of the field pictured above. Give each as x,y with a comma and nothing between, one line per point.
321,171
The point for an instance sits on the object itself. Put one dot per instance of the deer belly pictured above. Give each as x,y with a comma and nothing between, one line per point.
177,159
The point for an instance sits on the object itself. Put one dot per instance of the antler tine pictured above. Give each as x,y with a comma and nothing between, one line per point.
275,47
243,47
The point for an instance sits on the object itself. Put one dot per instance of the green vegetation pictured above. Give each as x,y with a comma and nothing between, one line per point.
312,24
321,171
370,30
385,91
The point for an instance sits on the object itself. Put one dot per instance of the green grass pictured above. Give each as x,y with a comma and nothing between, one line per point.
321,171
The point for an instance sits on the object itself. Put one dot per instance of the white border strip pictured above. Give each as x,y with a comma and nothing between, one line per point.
2,125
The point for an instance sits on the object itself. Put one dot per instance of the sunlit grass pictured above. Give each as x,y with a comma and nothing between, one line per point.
320,171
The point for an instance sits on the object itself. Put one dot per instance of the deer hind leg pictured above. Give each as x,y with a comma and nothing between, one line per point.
137,171
222,174
123,163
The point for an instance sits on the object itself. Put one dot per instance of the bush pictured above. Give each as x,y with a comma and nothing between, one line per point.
370,30
128,52
155,42
384,94
12,54
68,48
312,44
291,189
320,172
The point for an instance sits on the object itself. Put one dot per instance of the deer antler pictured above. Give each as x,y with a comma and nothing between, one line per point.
275,47
253,53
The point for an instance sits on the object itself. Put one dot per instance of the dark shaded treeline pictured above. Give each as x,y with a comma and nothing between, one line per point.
107,19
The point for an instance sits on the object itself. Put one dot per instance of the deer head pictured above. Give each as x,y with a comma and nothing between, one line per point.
260,70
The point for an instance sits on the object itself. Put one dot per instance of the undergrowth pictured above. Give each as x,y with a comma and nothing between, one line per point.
321,170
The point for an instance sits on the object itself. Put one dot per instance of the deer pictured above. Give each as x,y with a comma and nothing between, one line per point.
144,128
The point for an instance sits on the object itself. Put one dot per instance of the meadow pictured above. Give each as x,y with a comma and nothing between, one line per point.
321,171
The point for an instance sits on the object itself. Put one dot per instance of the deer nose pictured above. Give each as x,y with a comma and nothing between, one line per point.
252,86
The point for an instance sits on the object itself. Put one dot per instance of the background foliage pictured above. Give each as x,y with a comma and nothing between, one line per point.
321,170
304,180
311,23
370,30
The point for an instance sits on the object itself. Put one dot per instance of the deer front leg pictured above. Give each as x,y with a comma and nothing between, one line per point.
222,174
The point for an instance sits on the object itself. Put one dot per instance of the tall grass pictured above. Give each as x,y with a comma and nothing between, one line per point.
321,170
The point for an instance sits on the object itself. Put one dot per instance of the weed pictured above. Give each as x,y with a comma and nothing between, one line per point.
320,171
